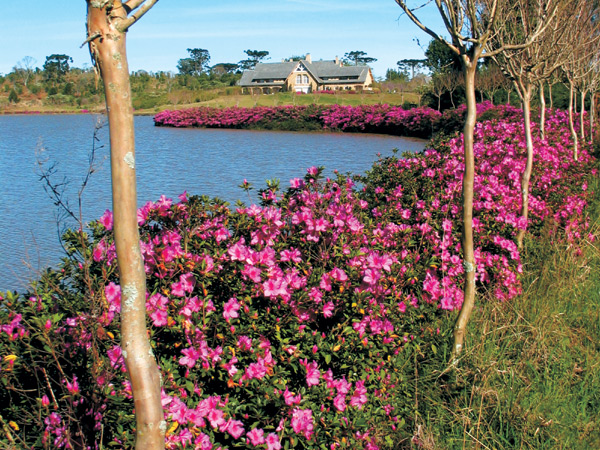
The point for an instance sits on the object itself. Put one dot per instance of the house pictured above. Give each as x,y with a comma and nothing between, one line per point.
306,76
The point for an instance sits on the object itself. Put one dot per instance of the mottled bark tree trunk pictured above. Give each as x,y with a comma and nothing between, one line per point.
107,25
571,121
581,116
460,328
592,113
526,176
542,110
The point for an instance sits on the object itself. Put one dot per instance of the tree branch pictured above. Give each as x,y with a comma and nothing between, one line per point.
133,4
424,28
145,6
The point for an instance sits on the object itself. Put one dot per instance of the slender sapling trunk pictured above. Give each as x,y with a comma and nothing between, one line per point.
542,111
571,124
526,176
469,69
107,46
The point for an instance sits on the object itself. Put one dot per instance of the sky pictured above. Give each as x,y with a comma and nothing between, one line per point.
285,28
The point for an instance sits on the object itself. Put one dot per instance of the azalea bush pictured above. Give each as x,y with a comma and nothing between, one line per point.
295,323
417,122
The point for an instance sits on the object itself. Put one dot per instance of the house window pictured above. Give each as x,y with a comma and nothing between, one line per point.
301,79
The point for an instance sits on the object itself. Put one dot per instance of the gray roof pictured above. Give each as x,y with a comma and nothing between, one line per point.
265,74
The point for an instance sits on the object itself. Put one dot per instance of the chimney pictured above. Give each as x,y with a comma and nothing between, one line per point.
337,61
307,58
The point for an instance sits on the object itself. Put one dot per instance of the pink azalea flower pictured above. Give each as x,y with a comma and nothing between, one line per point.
302,422
273,442
202,442
312,374
340,402
190,357
256,436
178,411
328,309
72,386
107,220
230,309
296,183
215,417
290,398
234,428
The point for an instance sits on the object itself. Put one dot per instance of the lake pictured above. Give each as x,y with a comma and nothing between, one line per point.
211,162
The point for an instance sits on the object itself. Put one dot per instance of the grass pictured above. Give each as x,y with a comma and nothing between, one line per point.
290,98
151,104
530,375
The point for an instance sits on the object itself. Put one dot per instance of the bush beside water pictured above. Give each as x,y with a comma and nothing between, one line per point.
310,321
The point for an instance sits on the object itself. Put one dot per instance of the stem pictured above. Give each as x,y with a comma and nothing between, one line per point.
526,176
571,125
109,52
467,193
542,111
581,113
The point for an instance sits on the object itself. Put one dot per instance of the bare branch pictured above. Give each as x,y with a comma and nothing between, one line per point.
132,4
144,5
429,31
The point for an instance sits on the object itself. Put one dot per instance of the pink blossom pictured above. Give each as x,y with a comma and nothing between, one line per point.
202,442
256,436
290,398
273,442
328,309
312,374
234,428
107,220
230,309
340,402
113,296
190,357
302,422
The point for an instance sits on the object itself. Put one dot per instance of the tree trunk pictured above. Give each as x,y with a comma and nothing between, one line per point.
542,111
571,124
550,95
107,46
467,194
581,116
526,176
592,113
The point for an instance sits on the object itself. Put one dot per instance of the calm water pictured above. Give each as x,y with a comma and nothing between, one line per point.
168,161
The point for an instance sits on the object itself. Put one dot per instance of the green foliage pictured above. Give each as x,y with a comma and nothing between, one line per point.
196,63
254,57
412,65
529,378
148,101
395,75
357,58
439,58
13,97
57,66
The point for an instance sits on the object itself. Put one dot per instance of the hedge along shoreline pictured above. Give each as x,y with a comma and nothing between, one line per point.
422,122
292,323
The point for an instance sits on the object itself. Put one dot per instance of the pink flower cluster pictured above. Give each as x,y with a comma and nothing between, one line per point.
420,122
283,324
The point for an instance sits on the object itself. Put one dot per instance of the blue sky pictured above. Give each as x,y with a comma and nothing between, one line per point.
225,28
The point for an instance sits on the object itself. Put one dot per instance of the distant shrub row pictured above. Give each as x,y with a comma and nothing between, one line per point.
422,122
